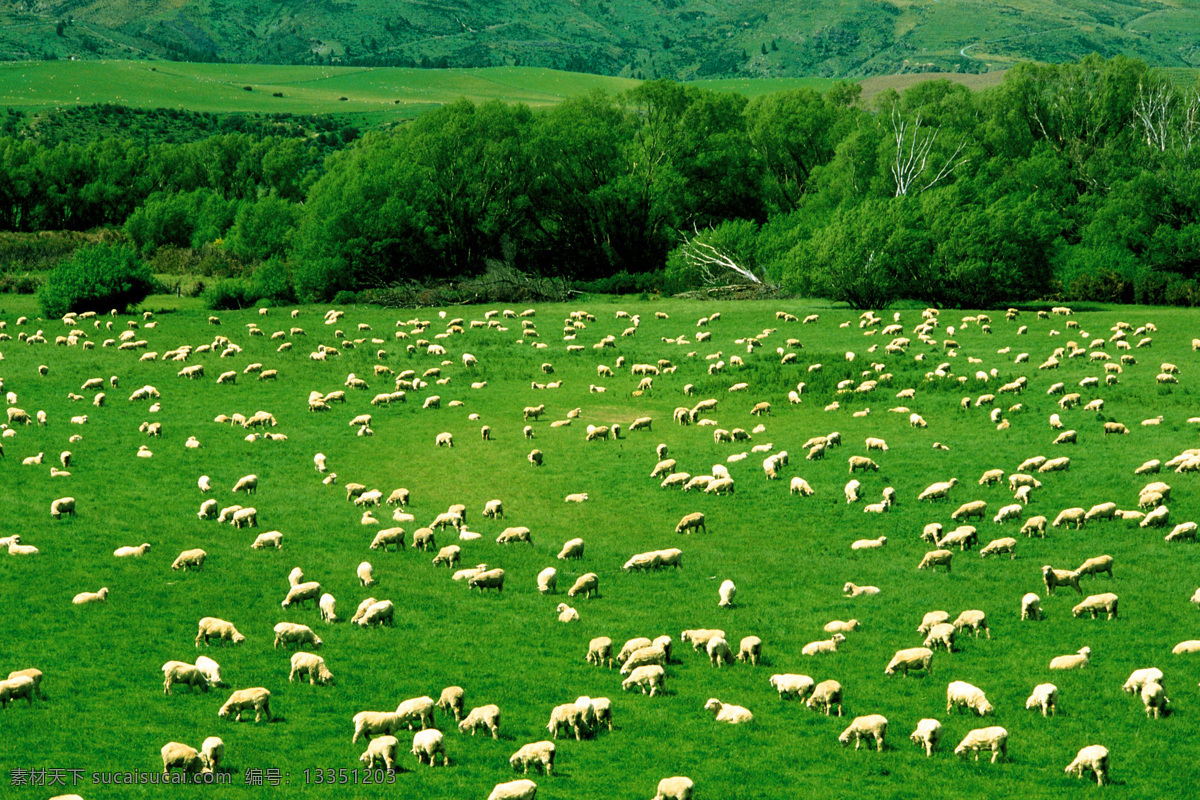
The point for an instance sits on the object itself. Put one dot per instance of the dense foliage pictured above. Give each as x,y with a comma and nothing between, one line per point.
1077,180
98,278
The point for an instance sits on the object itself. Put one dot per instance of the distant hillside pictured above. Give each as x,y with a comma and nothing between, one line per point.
678,39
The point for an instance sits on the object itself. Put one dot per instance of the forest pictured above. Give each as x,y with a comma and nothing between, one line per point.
1076,181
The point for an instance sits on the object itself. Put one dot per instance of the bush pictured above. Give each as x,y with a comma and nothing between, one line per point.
228,294
96,278
624,282
1183,292
11,283
345,298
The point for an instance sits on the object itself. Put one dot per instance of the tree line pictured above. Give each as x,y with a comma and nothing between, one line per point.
1076,180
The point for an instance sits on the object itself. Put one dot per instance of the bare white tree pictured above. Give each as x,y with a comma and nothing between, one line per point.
913,147
1153,110
1191,118
715,265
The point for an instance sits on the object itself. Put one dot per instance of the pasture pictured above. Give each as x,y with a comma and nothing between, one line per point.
788,555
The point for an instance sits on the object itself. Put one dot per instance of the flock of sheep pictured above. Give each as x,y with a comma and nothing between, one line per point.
645,663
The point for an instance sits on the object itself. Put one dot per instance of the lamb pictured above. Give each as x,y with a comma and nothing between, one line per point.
820,646
960,694
872,726
1059,577
927,734
750,649
1031,607
647,678
190,559
294,633
514,790
936,558
313,666
300,592
179,672
1044,697
724,712
1094,759
825,696
1094,604
910,659
727,592
176,754
570,716
482,717
975,620
257,698
539,754
1154,699
994,738
1077,660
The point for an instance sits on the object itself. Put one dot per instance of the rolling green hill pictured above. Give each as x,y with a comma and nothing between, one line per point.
678,39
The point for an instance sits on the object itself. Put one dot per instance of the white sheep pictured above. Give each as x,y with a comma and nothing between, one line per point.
648,678
725,712
181,756
381,750
539,754
523,789
312,666
257,698
994,738
927,735
1031,607
1154,699
179,672
377,613
1094,759
750,649
825,696
570,717
211,753
910,659
1097,603
792,685
1044,697
299,593
486,717
190,559
1077,660
871,726
853,590
86,598
294,633
960,694
829,645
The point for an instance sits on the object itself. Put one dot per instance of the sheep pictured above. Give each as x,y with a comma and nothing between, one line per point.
1157,518
482,717
994,738
300,592
820,646
975,508
570,717
1094,759
245,517
247,484
328,606
975,620
374,723
63,505
691,522
312,666
1096,565
871,726
648,678
1096,603
750,649
416,709
1004,545
927,735
294,633
960,694
1034,525
489,579
600,651
1059,577
825,695
566,613
1044,697
1154,699
514,790
792,686
212,751
227,513
511,535
1031,607
1009,512
189,559
179,672
372,612
863,463
140,550
1077,660
718,651
941,633
725,712
1055,465
87,598
269,539
936,558
726,592
699,638
176,754
1140,677
852,590
539,754
257,698
388,536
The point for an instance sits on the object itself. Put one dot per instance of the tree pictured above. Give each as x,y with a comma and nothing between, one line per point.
96,278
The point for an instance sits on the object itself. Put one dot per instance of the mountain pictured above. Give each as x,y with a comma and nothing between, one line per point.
679,39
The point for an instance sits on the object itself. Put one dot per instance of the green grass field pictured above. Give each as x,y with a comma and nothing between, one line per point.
788,555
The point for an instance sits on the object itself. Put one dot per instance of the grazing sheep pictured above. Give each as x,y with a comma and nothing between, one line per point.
1157,518
994,738
312,666
294,633
975,508
488,579
727,592
718,651
190,559
511,535
427,744
328,606
257,698
300,592
1077,660
176,754
1096,603
1034,525
960,694
973,619
570,716
863,463
910,659
1031,607
1096,565
247,484
1154,699
791,685
487,717
179,672
750,649
724,712
599,651
942,633
825,695
63,505
388,536
587,584
647,678
1094,759
573,548
539,754
212,751
690,522
1004,545
1044,697
932,618
927,735
381,750
936,558
872,726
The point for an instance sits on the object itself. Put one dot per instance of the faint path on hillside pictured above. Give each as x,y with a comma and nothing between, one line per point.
963,52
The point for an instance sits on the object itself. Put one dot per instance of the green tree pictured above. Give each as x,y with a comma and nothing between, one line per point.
96,278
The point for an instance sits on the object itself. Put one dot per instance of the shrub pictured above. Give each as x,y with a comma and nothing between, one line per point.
11,283
624,282
96,278
345,298
228,294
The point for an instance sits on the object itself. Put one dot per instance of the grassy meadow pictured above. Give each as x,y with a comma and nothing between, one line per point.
788,555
